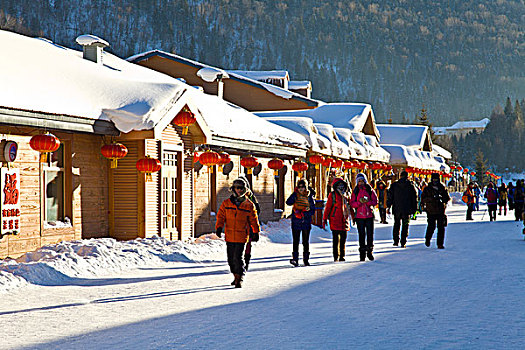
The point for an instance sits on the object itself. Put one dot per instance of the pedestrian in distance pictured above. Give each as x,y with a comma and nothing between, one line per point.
469,199
382,195
435,198
402,197
251,196
236,216
477,194
518,193
363,200
502,198
491,194
337,212
510,195
302,200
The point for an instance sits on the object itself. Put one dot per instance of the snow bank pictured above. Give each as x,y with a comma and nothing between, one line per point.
61,263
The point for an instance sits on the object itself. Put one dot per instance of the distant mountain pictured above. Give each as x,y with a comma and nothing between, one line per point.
458,58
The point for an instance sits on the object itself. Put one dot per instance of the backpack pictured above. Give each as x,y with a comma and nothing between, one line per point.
491,196
465,198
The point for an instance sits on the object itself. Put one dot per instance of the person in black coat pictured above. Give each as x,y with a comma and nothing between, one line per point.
402,197
303,209
434,199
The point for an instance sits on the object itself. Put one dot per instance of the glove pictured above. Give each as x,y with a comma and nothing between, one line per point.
324,224
218,232
254,236
363,200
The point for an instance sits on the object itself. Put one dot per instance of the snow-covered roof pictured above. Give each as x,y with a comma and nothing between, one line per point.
357,151
262,75
358,117
339,148
307,129
440,151
399,156
299,84
276,90
470,124
360,138
379,153
45,77
406,135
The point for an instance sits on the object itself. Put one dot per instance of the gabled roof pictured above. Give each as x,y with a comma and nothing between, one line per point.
416,136
358,117
283,93
262,75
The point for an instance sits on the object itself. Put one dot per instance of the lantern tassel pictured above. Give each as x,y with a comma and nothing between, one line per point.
43,157
317,166
113,163
210,169
249,171
148,177
185,130
275,172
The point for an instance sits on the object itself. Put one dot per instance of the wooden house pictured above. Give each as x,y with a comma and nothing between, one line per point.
248,93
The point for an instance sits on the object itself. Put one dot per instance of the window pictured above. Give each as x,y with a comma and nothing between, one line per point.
54,189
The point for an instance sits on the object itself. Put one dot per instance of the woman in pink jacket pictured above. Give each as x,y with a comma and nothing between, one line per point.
364,200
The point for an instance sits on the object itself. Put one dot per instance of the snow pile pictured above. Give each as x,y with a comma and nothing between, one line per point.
210,74
61,263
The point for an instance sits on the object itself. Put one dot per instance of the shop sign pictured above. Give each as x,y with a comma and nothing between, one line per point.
10,151
10,201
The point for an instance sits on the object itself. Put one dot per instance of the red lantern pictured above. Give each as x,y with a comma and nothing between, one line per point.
328,162
44,144
114,151
472,173
316,160
348,165
389,167
209,158
224,158
337,163
275,164
465,170
184,118
148,165
300,167
249,163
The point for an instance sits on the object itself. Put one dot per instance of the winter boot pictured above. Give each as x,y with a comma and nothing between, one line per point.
362,255
247,258
306,257
234,279
238,280
369,255
295,259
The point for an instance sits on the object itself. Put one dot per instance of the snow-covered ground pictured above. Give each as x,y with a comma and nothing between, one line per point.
153,294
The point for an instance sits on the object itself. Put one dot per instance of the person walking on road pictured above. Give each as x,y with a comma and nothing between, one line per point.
364,199
236,216
510,195
519,198
337,211
251,197
491,194
382,195
303,210
435,198
477,193
468,198
502,201
402,197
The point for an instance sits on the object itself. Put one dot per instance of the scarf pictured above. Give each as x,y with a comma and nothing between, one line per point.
344,202
301,204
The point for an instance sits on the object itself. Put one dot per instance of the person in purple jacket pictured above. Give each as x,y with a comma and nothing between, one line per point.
364,200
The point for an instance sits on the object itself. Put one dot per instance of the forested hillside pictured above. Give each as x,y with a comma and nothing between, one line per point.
458,58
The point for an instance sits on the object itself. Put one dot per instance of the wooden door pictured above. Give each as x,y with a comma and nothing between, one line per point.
169,202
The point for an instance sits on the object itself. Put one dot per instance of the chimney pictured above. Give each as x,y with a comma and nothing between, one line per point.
92,47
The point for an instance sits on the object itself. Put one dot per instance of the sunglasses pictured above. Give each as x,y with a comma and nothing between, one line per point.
238,187
301,186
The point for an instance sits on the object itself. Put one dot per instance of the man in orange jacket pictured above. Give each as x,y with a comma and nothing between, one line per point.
236,215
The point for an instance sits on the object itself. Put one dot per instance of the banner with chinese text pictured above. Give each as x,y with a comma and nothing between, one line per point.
10,201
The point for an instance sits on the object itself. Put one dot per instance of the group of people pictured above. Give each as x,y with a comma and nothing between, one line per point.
238,216
496,197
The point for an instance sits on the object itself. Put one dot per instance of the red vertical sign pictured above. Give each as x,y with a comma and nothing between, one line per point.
10,201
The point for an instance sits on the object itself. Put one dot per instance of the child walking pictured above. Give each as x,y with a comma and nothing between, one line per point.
337,211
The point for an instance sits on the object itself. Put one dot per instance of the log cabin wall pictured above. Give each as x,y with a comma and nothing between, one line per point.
152,193
244,94
85,192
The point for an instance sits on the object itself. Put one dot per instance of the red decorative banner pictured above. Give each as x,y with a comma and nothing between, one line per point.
10,201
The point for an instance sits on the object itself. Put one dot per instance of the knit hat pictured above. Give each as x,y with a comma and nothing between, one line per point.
361,176
239,182
434,176
404,174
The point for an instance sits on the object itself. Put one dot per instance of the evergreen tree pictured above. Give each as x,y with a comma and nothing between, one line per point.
481,168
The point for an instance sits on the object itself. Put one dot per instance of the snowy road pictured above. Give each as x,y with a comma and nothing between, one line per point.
468,296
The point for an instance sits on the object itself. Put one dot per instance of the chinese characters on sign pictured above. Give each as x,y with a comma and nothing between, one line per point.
10,203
